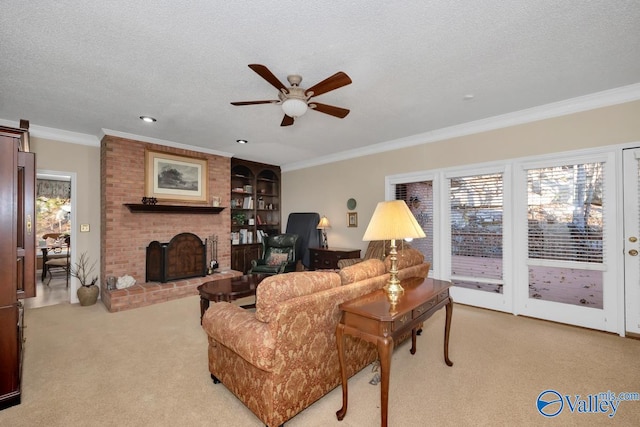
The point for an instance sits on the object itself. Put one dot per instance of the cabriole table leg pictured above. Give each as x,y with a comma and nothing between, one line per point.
343,372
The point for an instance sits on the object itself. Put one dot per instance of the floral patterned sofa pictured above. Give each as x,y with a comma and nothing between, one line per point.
281,358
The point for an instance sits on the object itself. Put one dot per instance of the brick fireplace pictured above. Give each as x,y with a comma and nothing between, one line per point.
125,234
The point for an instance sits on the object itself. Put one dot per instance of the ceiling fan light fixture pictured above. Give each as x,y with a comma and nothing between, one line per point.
293,107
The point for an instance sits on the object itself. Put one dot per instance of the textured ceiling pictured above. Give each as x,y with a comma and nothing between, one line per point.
95,67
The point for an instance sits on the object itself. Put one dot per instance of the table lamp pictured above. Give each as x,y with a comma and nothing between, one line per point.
390,221
323,225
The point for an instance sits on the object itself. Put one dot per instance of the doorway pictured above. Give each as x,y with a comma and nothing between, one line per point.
631,177
54,213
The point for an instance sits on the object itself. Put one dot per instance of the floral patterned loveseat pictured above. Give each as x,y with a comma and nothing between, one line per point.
281,358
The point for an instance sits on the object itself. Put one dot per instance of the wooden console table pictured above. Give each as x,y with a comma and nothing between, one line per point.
368,317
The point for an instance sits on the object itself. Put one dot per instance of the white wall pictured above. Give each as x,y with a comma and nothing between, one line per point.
326,188
84,162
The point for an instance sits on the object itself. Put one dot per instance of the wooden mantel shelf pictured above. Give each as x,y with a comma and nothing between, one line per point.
137,207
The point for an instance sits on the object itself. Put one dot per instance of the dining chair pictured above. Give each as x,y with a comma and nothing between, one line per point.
61,263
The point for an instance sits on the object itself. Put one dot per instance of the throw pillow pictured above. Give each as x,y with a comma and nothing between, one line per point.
276,259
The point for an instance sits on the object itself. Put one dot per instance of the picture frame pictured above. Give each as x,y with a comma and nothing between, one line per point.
352,219
176,178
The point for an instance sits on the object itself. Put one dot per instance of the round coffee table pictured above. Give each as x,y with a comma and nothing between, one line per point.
229,290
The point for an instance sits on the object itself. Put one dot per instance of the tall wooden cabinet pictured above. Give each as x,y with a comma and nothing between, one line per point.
17,253
255,209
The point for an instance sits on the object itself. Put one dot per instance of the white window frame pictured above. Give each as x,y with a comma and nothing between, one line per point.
390,185
490,300
602,319
611,317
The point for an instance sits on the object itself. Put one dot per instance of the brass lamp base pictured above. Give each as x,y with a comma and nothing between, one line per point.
393,288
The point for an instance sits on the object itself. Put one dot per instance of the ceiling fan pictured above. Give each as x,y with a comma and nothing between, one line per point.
296,100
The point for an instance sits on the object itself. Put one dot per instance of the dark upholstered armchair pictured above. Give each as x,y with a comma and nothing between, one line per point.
305,225
278,255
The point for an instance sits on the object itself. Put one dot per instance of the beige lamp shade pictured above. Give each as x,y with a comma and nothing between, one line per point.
393,220
324,223
390,221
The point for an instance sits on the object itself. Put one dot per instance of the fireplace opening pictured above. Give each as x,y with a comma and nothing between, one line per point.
184,256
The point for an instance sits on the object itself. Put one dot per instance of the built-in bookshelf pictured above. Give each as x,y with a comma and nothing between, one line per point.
255,209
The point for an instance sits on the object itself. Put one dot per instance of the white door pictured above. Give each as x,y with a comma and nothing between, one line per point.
566,252
631,158
477,237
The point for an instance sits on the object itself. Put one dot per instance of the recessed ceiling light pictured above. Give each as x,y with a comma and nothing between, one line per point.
242,141
468,97
147,119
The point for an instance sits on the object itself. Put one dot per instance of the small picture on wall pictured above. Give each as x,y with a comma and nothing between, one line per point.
352,219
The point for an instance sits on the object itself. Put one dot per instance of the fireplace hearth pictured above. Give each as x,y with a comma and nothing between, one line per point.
184,256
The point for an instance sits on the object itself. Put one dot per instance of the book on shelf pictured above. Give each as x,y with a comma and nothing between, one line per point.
235,238
261,235
247,203
259,220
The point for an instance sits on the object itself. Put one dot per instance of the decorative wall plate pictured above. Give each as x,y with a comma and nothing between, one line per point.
351,204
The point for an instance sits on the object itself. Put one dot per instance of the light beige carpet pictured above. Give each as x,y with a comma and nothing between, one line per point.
86,367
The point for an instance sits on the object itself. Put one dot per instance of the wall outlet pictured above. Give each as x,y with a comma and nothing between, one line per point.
84,228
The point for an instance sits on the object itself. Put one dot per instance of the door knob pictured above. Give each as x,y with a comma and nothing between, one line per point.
633,239
633,252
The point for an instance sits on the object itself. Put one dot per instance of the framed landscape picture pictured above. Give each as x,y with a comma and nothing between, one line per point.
173,177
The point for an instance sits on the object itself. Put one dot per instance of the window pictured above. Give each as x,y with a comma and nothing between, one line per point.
476,210
565,233
532,236
53,207
419,198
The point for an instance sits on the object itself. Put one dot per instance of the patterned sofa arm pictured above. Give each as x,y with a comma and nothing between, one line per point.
377,249
342,263
240,331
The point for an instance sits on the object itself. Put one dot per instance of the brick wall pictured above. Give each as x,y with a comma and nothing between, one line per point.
126,235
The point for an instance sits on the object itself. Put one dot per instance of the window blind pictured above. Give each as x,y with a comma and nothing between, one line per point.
419,199
565,216
476,227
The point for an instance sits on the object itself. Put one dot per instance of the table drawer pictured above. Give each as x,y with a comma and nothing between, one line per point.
323,260
417,312
443,295
401,321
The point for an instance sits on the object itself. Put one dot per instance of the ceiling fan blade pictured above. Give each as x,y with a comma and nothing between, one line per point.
273,101
330,109
268,76
336,81
286,121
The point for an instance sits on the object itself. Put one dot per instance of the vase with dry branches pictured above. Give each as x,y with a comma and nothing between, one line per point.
83,270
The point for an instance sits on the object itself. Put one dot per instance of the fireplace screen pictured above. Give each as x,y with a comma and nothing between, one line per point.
183,257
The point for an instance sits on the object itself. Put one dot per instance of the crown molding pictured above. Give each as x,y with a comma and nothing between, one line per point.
163,142
606,98
593,101
56,134
94,141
